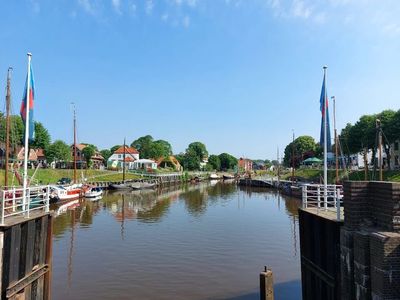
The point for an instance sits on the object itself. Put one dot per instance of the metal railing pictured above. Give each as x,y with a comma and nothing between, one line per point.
13,203
315,196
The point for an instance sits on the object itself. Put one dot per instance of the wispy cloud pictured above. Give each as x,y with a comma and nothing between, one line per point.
116,4
165,17
186,21
35,6
191,3
300,9
381,16
87,6
149,7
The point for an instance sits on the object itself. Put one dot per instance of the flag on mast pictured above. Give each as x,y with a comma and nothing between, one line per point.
324,96
31,101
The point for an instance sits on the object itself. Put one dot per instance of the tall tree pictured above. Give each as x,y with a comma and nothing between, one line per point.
114,148
198,149
191,160
214,162
58,151
303,147
143,145
228,162
106,153
88,152
42,137
159,149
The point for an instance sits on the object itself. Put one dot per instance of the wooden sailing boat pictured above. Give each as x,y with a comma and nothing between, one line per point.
123,185
74,190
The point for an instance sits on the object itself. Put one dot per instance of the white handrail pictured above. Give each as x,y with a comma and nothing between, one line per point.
314,193
14,204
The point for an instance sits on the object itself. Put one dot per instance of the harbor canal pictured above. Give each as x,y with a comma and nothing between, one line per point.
207,241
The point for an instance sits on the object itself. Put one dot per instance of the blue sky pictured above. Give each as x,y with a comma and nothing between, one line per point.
237,75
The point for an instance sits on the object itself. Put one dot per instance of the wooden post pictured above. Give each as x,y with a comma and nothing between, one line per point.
266,285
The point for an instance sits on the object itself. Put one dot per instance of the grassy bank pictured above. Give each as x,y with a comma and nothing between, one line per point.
50,176
317,175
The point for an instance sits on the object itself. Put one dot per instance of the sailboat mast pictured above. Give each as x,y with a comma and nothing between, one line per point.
336,139
325,142
277,154
123,163
8,123
26,144
293,158
379,129
75,181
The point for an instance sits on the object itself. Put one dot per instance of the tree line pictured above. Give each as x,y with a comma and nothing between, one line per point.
192,159
360,137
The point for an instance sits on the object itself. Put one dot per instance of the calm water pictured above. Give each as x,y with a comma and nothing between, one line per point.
198,242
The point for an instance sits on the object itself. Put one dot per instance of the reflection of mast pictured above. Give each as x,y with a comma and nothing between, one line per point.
294,236
123,217
71,249
279,201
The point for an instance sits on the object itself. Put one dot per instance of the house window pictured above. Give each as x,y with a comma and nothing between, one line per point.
396,160
119,155
396,146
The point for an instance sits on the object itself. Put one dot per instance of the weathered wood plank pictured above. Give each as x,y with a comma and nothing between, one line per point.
28,292
43,240
30,246
6,262
40,288
22,254
34,290
1,258
15,247
49,256
37,244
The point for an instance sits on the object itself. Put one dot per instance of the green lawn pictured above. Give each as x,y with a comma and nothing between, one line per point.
49,176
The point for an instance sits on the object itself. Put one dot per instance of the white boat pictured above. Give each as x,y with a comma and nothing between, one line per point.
62,193
142,185
214,176
93,192
68,205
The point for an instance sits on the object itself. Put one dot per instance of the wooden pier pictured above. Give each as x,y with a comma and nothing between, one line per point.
354,252
26,246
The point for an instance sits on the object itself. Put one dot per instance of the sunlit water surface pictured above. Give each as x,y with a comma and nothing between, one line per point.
198,242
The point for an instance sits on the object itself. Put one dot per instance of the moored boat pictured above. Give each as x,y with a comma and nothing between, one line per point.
93,192
228,176
62,193
142,185
120,186
214,176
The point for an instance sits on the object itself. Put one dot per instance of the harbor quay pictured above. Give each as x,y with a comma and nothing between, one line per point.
355,255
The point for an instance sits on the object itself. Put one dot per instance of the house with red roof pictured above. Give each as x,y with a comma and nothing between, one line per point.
35,156
115,161
97,159
245,164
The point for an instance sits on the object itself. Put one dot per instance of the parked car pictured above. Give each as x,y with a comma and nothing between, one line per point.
64,180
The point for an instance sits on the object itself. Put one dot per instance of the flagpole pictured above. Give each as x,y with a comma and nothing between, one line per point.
325,144
26,145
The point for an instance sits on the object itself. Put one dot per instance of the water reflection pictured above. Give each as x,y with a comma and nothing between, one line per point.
208,241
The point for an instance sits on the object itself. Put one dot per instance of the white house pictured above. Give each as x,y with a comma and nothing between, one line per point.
357,160
144,164
395,154
116,159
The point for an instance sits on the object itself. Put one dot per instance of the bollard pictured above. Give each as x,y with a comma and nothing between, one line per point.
266,285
